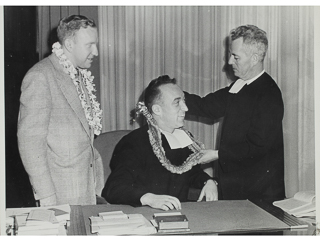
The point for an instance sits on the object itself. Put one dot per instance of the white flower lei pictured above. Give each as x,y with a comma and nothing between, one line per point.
92,111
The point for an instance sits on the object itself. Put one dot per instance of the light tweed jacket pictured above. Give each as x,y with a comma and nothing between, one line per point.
55,142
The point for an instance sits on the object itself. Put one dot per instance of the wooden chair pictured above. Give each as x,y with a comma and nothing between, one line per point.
105,144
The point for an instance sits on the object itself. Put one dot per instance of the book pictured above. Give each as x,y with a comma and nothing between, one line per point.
171,222
131,224
40,221
38,227
300,204
158,214
49,232
41,216
145,230
57,230
113,215
20,221
174,230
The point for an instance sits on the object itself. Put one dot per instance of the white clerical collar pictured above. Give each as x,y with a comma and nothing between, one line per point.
237,86
177,139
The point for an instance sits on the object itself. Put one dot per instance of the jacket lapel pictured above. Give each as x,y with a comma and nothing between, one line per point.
69,91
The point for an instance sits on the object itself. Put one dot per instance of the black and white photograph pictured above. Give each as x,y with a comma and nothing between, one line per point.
174,119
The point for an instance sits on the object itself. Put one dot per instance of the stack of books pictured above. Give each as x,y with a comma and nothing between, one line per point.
119,223
171,222
39,221
301,205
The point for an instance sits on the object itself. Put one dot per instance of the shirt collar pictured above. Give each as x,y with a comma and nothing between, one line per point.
177,139
237,86
248,82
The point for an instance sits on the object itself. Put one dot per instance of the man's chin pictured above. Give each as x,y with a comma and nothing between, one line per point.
86,65
181,125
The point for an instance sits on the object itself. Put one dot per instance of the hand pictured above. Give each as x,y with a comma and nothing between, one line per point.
48,201
209,155
210,191
163,202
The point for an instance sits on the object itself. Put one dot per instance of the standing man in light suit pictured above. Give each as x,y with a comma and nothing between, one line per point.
58,118
250,156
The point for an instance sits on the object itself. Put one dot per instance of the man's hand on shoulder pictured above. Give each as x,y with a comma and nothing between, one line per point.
209,155
210,191
163,202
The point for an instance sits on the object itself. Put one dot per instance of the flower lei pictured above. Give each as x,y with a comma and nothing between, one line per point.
156,143
92,111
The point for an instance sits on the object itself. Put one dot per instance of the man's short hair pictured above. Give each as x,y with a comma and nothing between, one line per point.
152,94
68,26
253,37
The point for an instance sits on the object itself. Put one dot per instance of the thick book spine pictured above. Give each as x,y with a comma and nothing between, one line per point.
172,222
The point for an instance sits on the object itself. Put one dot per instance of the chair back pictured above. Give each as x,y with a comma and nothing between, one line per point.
105,144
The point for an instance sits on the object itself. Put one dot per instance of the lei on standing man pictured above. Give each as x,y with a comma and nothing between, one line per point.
59,116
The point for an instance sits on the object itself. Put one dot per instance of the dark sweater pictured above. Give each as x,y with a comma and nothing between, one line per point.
137,171
251,158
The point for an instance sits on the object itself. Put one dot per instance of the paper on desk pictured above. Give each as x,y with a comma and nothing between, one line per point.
21,214
132,224
59,212
308,214
303,210
113,215
41,215
18,211
59,230
297,202
141,227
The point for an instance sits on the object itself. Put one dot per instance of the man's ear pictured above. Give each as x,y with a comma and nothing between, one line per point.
68,43
255,59
156,109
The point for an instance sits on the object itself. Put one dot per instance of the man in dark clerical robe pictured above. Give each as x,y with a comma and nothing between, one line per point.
250,156
156,164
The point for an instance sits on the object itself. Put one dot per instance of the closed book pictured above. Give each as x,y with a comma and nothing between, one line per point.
174,230
171,222
20,220
51,231
39,227
133,221
113,215
134,224
144,230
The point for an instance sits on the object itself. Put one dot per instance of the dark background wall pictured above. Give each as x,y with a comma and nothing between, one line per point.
20,38
21,44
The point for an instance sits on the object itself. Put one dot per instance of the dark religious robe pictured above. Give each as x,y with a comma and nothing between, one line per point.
135,171
251,158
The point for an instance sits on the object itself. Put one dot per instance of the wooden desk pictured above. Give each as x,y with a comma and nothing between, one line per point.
205,218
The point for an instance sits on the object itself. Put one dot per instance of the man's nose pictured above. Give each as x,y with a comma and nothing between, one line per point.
184,106
95,50
231,59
